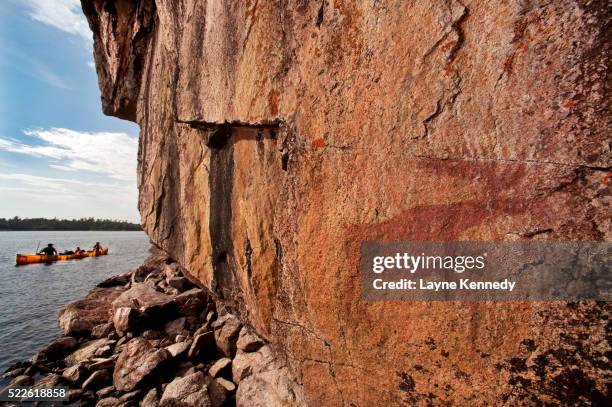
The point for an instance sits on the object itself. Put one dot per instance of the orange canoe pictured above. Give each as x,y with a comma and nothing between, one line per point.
23,259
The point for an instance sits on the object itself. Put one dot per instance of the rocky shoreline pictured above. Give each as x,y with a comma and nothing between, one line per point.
151,337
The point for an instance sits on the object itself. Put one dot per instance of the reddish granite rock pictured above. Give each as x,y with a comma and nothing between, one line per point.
188,391
279,137
79,317
136,363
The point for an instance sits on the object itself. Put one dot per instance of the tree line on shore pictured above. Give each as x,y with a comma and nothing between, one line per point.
24,224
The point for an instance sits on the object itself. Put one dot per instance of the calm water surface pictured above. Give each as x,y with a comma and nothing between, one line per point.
31,296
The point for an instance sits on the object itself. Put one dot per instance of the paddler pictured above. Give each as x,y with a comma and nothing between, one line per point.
49,250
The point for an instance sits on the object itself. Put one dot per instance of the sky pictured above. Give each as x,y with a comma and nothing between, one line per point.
59,155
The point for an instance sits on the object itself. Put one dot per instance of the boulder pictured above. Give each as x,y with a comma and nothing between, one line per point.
115,281
155,305
75,374
88,350
136,363
188,391
178,349
79,317
127,319
97,380
192,302
151,399
248,341
57,349
102,330
247,363
203,345
226,335
221,368
273,388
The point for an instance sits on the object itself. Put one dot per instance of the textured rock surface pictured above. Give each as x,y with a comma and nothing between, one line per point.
81,316
189,391
136,363
276,136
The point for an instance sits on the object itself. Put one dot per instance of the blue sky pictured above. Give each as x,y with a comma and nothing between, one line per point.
59,155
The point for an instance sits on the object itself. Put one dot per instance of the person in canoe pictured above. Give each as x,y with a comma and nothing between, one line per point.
97,247
49,250
78,250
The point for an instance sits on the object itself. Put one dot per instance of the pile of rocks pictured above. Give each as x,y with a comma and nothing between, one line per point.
152,338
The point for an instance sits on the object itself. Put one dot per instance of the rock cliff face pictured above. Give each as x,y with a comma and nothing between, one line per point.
277,135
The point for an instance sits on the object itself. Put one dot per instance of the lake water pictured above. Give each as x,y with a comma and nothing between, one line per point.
31,296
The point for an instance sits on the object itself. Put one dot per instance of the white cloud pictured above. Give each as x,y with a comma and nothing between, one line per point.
65,15
91,64
110,154
29,195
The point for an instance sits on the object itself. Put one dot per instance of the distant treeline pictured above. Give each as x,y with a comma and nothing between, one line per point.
18,223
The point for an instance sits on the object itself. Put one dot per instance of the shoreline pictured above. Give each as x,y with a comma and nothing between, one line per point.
152,337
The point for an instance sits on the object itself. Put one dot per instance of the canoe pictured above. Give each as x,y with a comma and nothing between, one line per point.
23,259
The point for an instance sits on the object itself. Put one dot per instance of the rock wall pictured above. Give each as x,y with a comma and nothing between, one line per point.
277,135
